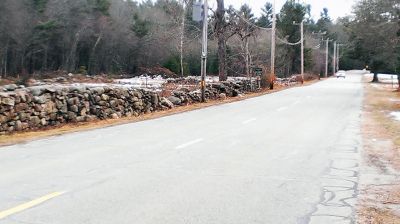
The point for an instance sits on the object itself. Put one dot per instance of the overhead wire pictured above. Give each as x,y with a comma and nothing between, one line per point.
286,42
267,29
252,24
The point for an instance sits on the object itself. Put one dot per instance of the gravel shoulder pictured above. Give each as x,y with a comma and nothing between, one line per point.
379,189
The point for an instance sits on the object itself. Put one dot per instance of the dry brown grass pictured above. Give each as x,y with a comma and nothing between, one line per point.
377,216
84,126
379,102
381,141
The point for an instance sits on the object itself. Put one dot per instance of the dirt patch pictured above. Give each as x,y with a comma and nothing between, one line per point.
379,198
377,216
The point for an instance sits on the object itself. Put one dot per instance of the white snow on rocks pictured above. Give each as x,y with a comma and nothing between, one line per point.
143,82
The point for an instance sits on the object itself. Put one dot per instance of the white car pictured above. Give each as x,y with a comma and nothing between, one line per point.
341,74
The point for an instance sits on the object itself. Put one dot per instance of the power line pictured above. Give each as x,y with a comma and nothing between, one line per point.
288,43
252,24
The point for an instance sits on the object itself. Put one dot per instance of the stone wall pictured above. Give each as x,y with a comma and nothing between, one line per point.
45,106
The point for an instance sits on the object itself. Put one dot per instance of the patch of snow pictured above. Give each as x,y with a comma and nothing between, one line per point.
142,82
88,84
369,75
395,115
394,100
214,79
384,78
387,76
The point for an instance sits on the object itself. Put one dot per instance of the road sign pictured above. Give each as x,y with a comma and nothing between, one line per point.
198,9
258,71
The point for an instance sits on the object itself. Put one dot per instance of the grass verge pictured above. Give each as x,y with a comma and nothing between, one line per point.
379,200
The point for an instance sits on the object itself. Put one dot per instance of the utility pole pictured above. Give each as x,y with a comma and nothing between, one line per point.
204,51
326,58
320,35
247,54
302,47
273,41
338,57
182,35
334,58
302,50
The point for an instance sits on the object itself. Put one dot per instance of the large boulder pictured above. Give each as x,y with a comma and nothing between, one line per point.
175,100
23,116
165,102
18,125
9,101
21,107
74,108
37,90
3,119
137,93
154,99
105,97
10,87
71,116
34,121
41,99
50,107
235,93
23,96
222,96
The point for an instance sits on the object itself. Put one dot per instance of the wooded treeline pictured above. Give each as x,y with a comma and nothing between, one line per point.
84,35
373,36
121,36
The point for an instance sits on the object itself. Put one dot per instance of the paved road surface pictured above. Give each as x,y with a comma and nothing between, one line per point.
288,157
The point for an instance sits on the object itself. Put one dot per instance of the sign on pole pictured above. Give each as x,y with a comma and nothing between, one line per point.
258,71
198,11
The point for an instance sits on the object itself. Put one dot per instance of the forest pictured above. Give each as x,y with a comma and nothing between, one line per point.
124,36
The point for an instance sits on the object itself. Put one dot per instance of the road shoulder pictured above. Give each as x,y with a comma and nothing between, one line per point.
379,187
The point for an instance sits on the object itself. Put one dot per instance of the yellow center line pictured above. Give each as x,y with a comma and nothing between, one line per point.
29,204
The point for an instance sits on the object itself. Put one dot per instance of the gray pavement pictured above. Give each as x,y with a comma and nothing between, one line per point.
287,157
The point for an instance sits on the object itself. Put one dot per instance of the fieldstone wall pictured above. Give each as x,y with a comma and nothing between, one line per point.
45,106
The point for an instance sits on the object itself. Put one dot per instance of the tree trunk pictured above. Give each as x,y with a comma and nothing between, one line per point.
267,79
247,59
375,79
182,36
92,54
6,59
398,79
222,59
221,40
70,63
45,58
4,66
23,68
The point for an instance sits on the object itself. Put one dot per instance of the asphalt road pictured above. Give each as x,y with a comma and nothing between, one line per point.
287,157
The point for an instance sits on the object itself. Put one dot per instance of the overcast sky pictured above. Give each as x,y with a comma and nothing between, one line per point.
337,8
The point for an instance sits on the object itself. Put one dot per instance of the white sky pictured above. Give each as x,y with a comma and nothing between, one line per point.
337,8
